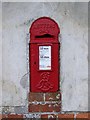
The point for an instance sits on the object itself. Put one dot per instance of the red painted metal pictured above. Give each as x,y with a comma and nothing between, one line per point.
44,32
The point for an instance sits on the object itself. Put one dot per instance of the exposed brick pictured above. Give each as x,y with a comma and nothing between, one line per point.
44,116
12,117
34,108
44,108
80,116
83,116
36,97
65,116
54,96
89,115
48,116
0,117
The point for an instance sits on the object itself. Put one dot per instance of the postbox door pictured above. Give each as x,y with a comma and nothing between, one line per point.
44,67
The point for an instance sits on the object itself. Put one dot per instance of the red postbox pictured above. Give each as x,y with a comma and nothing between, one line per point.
44,55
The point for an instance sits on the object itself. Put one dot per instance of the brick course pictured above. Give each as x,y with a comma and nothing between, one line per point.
65,116
53,96
83,116
12,117
36,97
58,116
44,108
44,102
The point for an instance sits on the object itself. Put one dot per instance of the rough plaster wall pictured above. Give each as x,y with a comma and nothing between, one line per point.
89,56
45,0
72,19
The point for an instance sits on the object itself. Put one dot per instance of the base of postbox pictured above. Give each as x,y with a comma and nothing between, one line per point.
44,102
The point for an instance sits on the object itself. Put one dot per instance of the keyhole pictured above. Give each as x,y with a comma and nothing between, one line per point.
35,63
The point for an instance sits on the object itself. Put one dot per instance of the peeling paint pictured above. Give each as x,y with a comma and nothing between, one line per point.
37,116
24,81
49,105
21,110
58,96
50,116
50,98
26,23
5,110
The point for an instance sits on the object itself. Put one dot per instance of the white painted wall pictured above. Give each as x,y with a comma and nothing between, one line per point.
45,0
0,57
73,21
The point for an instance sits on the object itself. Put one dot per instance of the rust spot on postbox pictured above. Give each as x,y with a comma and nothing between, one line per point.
44,55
